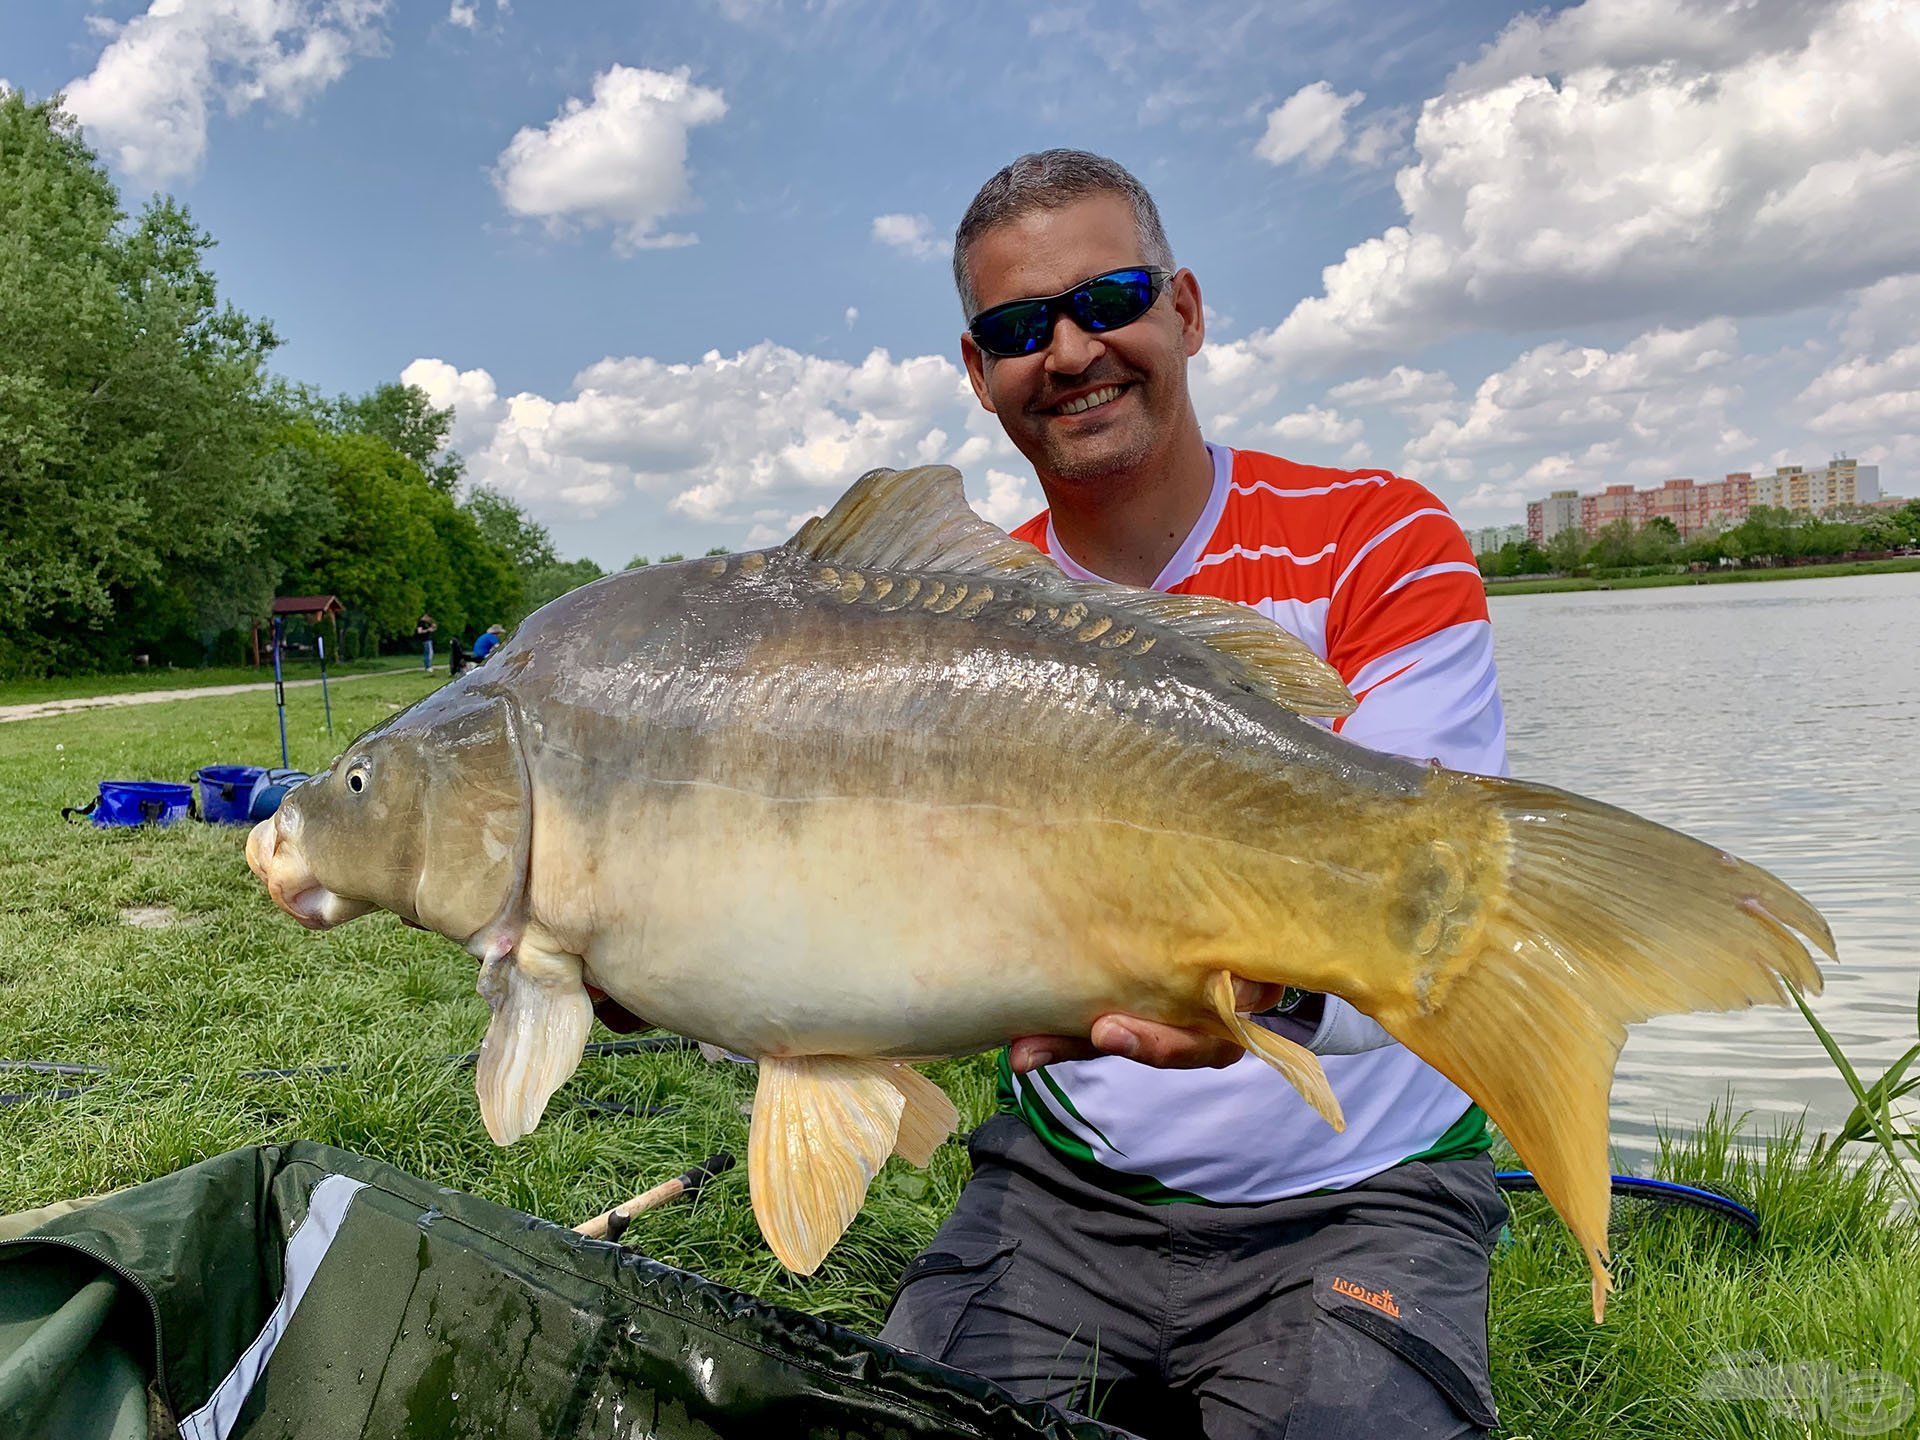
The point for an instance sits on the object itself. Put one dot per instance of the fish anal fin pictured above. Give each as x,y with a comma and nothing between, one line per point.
822,1128
928,1119
1299,1064
541,1017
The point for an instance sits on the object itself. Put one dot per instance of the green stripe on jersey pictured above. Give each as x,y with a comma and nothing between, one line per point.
1018,1095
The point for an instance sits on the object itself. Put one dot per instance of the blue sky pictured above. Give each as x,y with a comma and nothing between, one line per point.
680,268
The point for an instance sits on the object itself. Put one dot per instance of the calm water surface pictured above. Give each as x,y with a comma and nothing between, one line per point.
1780,721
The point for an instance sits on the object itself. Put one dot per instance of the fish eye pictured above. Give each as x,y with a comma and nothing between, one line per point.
357,779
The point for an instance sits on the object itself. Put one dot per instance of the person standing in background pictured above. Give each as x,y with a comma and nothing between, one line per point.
423,632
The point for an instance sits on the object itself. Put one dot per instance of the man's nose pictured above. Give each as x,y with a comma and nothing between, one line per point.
1073,349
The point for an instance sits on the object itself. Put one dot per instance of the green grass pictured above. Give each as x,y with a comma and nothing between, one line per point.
1711,577
178,1013
75,687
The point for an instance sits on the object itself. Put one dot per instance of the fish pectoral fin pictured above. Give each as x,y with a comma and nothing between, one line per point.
929,1117
822,1128
541,1016
1299,1064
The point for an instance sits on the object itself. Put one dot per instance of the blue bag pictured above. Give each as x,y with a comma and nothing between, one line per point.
135,802
226,792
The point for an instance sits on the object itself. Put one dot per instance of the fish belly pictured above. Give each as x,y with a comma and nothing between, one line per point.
865,927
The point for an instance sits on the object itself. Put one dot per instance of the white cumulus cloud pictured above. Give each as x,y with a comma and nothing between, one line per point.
747,441
618,159
1310,126
147,99
1626,158
1658,406
912,234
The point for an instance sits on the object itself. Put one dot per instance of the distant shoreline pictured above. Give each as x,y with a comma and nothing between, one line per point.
1524,586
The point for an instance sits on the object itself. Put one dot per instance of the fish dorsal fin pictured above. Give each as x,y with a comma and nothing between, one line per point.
919,520
915,520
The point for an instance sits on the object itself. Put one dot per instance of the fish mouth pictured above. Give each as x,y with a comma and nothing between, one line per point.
291,883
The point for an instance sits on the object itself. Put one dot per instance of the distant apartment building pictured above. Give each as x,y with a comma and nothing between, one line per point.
1547,518
1490,538
1694,508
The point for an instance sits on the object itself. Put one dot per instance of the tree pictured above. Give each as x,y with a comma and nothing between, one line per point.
550,582
406,419
637,562
510,529
134,417
1568,549
1656,543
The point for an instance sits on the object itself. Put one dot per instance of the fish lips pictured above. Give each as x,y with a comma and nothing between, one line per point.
292,884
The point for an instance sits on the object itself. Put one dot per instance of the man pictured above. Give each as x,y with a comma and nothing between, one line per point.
484,646
1152,1208
423,633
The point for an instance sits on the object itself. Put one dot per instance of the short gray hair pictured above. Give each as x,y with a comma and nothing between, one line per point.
1051,180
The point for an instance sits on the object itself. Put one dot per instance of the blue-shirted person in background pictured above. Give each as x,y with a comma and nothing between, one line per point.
487,643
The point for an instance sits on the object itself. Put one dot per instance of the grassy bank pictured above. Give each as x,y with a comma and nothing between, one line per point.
1711,577
226,984
34,692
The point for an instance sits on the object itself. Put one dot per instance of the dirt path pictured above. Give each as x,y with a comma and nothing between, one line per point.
45,709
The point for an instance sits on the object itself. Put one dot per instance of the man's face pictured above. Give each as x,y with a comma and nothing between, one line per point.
1043,252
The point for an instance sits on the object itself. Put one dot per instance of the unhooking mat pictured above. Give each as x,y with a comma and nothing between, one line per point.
303,1291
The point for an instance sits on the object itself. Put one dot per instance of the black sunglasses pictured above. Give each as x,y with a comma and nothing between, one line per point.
1104,302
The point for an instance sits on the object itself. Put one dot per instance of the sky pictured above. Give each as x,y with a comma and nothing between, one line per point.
683,270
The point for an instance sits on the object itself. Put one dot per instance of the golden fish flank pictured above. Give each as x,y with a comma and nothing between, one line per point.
899,789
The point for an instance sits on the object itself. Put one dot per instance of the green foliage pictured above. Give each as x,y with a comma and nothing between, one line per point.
158,487
133,411
509,529
394,547
720,550
551,581
402,416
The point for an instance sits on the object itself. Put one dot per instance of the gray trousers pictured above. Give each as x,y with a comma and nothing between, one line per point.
1361,1312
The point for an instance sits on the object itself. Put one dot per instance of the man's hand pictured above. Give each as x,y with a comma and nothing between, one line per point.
1151,1042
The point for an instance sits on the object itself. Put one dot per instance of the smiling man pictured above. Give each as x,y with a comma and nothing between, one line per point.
1153,1211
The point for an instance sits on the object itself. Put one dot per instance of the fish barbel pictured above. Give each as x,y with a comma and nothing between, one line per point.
899,789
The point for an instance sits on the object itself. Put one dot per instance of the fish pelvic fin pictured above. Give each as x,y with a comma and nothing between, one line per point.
541,1016
928,1119
1299,1064
919,520
822,1128
1607,919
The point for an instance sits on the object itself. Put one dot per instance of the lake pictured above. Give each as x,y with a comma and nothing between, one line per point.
1778,720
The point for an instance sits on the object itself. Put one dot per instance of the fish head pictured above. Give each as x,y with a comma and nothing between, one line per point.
426,816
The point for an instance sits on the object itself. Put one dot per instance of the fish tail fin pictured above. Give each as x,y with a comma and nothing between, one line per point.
822,1128
928,1119
1299,1064
1606,919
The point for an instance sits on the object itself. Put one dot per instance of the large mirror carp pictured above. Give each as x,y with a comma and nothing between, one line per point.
899,789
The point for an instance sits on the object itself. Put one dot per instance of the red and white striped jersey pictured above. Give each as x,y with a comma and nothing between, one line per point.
1373,573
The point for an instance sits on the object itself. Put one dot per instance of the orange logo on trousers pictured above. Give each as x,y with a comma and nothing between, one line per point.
1381,1300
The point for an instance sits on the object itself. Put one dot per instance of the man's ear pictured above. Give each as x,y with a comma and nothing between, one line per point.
1193,315
976,362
